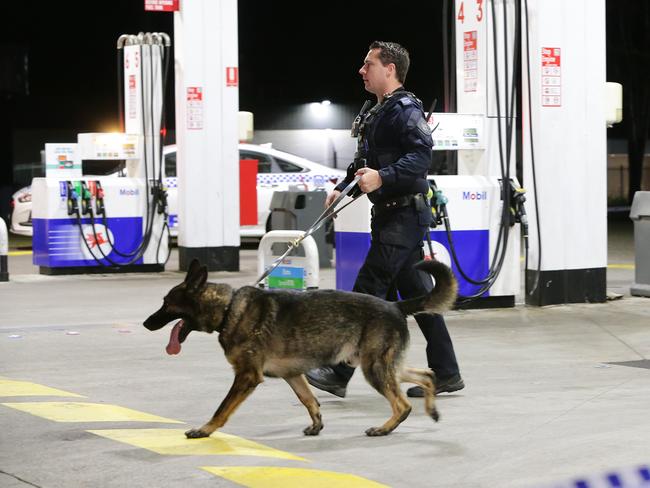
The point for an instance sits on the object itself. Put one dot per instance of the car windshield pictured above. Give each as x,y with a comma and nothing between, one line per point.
287,167
264,161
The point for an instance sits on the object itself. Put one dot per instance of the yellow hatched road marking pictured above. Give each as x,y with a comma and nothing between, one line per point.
621,266
19,253
173,442
271,477
24,388
86,412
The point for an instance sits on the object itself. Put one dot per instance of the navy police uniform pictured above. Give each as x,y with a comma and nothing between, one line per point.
397,142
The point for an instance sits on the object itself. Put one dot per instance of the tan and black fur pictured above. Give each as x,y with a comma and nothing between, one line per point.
285,334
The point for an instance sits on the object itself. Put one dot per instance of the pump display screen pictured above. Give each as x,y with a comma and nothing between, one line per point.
102,166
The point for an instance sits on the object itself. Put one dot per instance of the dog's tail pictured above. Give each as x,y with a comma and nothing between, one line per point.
443,295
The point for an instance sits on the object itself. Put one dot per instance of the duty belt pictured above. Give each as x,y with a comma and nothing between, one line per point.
394,203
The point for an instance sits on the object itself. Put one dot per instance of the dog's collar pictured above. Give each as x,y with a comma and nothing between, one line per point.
220,325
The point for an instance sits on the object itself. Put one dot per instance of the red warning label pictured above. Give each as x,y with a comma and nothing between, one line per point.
161,5
232,76
470,60
195,107
132,98
551,77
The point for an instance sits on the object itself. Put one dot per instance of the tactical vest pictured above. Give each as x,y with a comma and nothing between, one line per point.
378,153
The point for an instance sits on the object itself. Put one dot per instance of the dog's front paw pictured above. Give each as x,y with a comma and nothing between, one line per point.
313,429
377,431
196,434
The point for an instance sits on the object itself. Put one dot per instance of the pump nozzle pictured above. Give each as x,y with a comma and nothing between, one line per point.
72,204
438,203
99,199
86,205
517,209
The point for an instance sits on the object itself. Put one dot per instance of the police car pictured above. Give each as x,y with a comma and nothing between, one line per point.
276,171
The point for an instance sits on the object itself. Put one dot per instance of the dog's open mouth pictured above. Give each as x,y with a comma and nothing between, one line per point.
174,346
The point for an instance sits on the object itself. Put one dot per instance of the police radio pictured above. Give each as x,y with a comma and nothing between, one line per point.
358,120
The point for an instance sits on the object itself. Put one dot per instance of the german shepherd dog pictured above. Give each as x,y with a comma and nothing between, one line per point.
284,334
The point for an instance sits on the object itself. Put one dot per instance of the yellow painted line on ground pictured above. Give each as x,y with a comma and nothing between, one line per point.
621,266
86,412
11,388
173,442
19,253
271,477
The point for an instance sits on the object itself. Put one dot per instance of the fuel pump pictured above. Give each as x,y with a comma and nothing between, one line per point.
474,233
524,103
116,222
509,51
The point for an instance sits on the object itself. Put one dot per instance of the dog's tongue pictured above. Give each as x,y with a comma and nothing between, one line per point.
174,346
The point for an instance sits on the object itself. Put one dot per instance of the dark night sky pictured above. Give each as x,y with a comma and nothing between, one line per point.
288,54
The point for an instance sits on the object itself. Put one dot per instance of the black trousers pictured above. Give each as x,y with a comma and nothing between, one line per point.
396,246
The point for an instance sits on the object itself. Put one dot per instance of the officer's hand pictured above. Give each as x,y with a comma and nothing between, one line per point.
370,179
331,197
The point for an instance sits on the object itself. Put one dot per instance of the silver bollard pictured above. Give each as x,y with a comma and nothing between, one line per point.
4,251
640,214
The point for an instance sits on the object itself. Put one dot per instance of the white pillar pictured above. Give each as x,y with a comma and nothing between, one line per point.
477,92
207,99
567,67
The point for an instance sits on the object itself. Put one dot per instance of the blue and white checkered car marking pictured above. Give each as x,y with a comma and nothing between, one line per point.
277,178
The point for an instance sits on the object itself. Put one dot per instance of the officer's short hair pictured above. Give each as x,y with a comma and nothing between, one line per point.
391,52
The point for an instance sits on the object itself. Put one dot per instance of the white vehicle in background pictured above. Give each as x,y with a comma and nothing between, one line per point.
276,171
21,212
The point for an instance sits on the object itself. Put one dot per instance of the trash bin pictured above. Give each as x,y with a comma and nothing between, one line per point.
640,214
298,210
294,272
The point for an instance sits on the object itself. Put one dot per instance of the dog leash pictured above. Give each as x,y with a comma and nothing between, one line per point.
329,213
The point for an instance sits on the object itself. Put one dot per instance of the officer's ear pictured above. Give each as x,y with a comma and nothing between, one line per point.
390,70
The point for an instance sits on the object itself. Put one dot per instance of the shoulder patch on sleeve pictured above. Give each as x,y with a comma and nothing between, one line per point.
424,127
406,101
415,118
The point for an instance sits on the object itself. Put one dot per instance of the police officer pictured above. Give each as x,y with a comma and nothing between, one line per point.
395,143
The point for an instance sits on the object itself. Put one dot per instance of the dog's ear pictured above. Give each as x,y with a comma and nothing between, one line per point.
196,276
194,267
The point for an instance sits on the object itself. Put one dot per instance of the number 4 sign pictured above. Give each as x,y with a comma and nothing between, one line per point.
478,14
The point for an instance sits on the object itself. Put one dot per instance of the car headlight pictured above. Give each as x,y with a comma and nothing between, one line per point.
24,197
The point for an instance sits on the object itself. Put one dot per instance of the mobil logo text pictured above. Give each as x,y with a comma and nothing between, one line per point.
129,192
475,195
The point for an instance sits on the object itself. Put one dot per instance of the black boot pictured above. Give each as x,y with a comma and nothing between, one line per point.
326,378
445,385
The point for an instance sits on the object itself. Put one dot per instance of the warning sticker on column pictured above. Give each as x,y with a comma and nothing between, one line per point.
232,76
551,77
132,102
195,108
470,60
